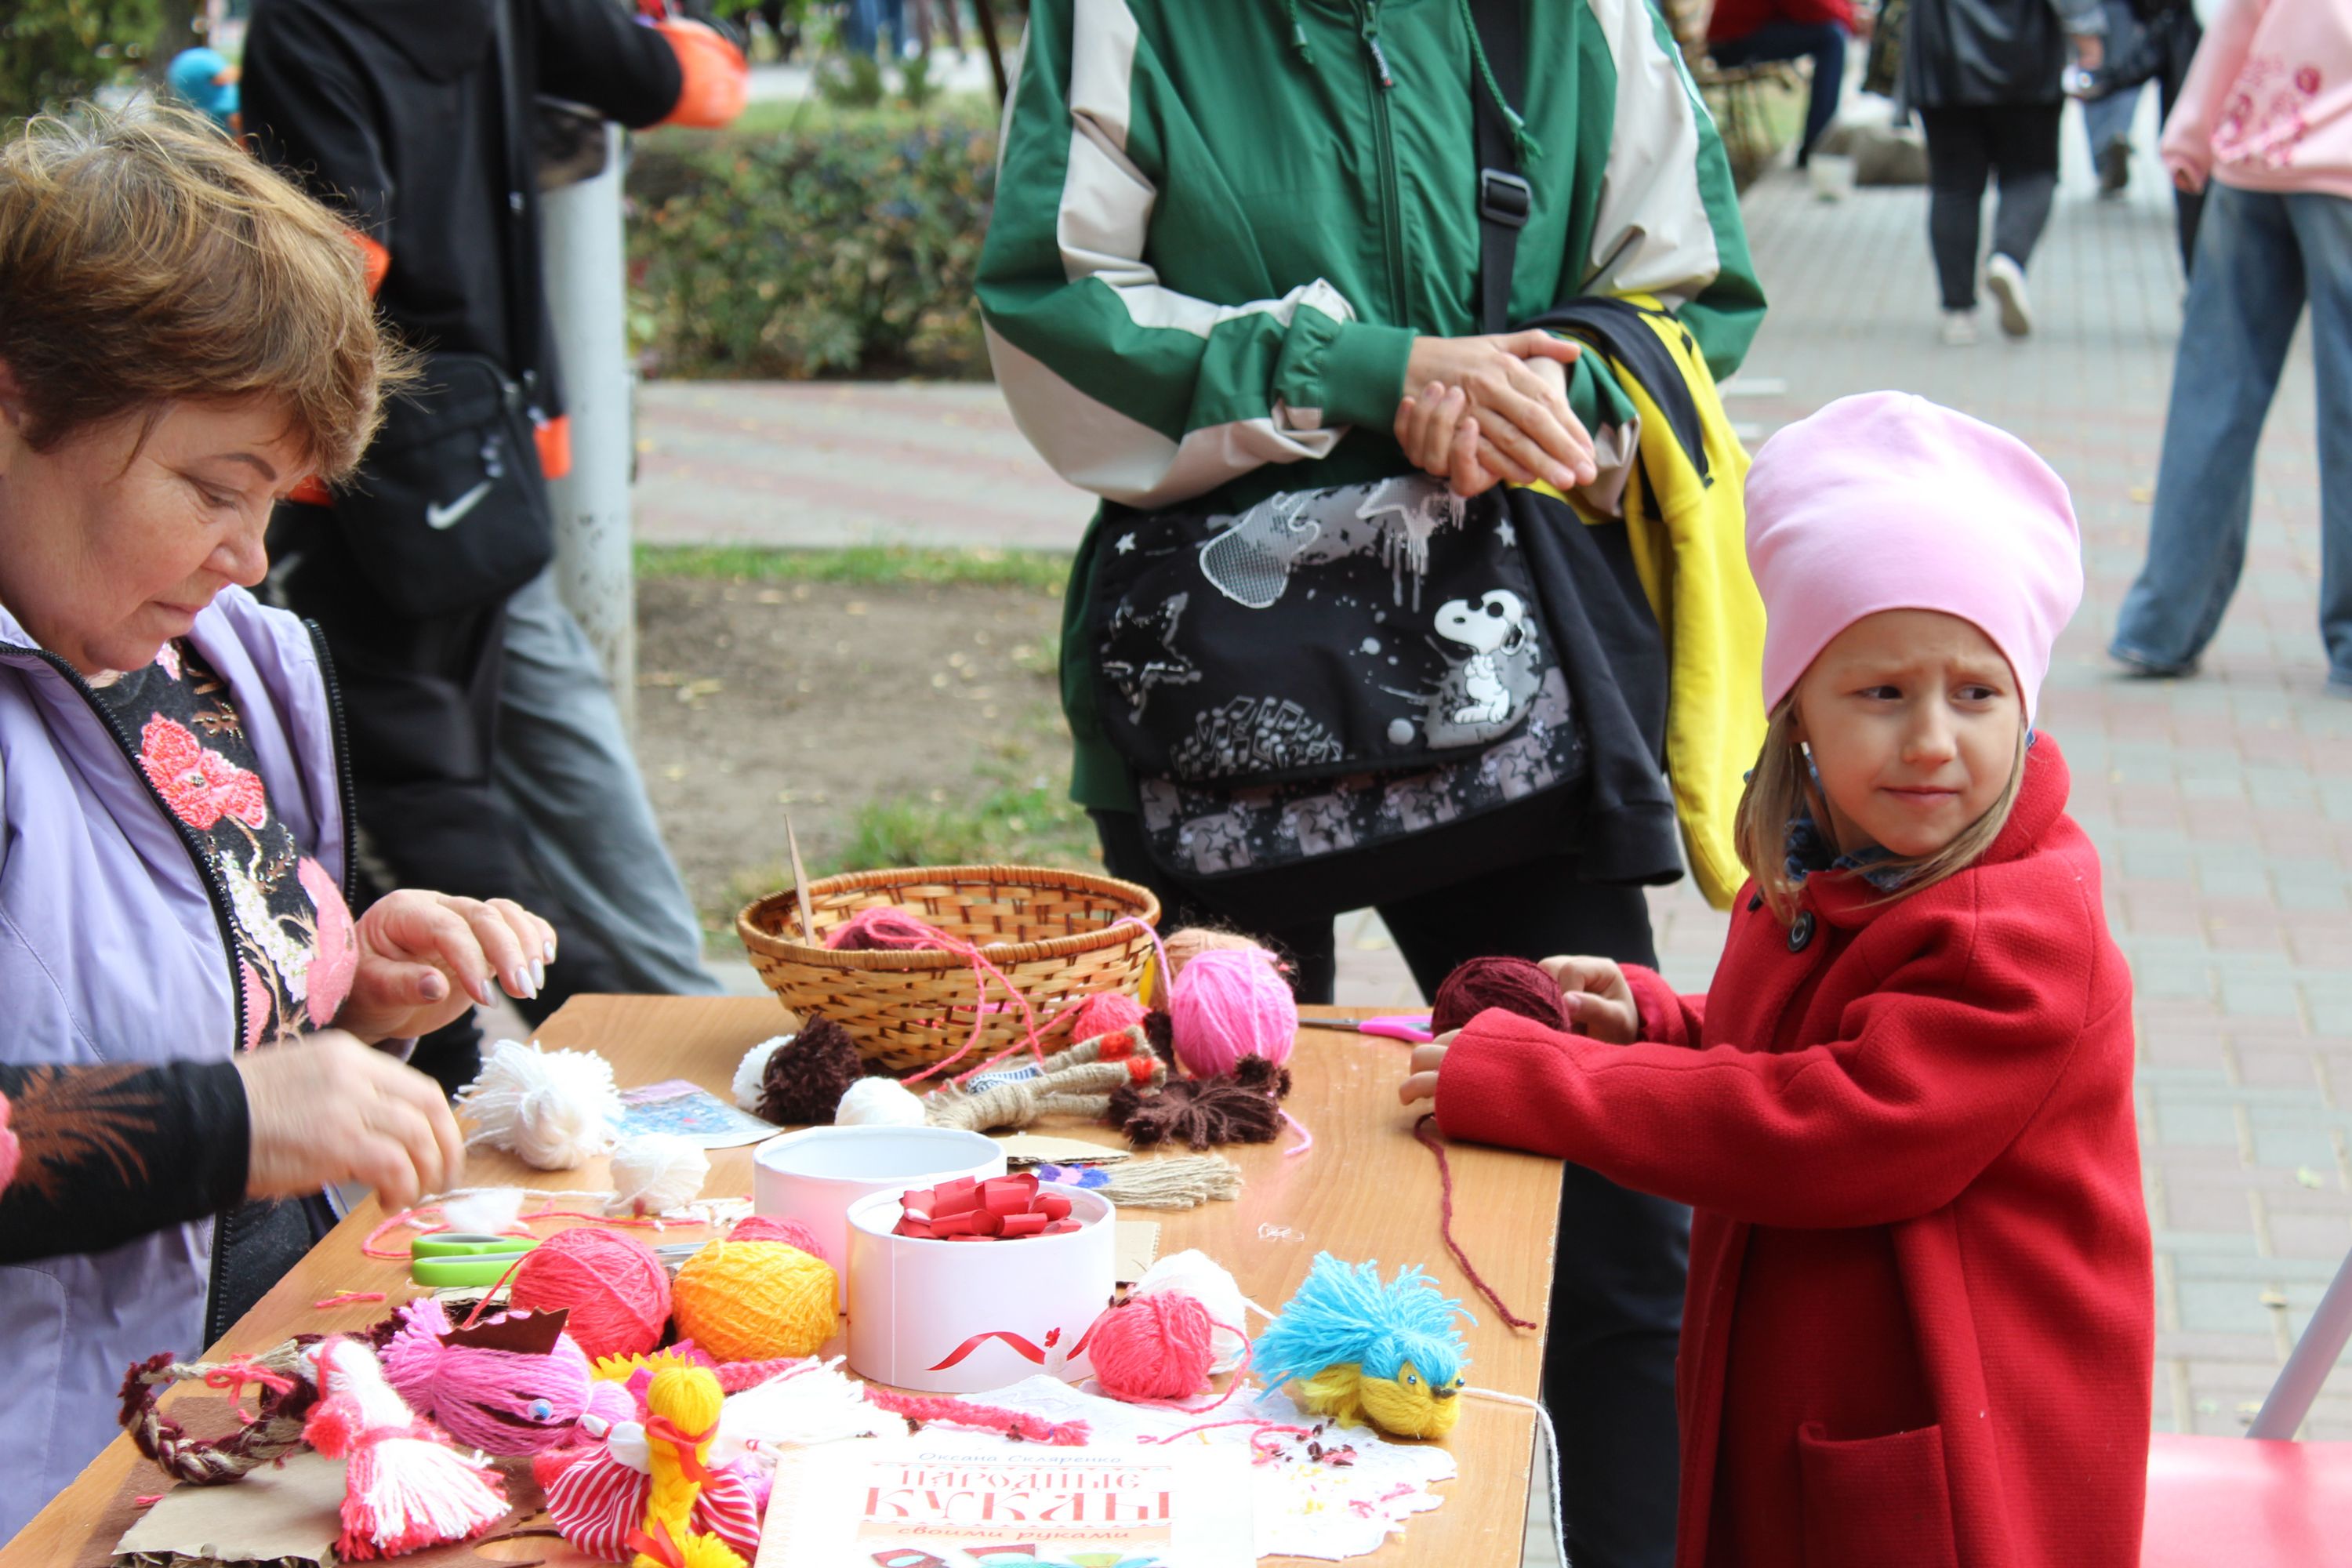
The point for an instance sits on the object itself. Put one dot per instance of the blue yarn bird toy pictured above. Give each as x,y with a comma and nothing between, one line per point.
1357,1350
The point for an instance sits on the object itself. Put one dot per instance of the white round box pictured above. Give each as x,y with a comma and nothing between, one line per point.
958,1317
814,1175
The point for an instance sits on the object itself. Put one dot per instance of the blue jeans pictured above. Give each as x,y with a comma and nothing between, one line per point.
1823,43
2258,257
2110,119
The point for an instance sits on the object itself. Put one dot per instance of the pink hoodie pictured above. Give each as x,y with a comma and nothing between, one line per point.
2268,103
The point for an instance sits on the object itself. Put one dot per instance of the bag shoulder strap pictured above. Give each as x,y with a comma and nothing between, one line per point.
1505,200
519,251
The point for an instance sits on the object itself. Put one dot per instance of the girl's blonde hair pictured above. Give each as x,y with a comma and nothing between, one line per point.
146,259
1780,786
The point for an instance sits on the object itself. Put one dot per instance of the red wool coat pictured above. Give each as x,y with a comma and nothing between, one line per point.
1733,19
1920,1324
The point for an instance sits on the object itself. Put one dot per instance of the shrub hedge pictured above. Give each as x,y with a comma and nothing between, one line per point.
844,250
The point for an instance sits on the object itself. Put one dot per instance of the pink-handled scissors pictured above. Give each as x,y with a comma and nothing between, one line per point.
1410,1028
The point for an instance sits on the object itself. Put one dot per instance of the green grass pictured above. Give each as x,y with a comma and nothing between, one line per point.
1044,571
813,116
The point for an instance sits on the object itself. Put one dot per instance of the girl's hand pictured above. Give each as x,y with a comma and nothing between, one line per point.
1440,438
425,958
1521,412
1426,1059
327,1109
1597,999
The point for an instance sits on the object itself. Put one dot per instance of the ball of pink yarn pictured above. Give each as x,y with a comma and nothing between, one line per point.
615,1288
769,1227
1104,1013
1157,1346
1227,1005
506,1403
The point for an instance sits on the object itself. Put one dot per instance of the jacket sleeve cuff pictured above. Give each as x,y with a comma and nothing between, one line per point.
1482,1085
1660,1008
1362,375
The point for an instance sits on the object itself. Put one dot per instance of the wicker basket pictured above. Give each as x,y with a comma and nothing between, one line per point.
1051,933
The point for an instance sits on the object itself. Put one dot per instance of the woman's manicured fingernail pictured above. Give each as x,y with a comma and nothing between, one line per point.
432,987
482,991
537,978
548,947
518,980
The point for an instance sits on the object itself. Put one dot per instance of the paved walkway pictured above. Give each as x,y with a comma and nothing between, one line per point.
2222,805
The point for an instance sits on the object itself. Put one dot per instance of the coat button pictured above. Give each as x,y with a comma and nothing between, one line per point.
1800,931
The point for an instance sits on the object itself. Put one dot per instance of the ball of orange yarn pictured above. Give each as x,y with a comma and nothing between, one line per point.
615,1288
1158,1345
754,1301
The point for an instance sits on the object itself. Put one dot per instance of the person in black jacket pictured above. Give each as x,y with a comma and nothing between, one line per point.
392,110
1985,76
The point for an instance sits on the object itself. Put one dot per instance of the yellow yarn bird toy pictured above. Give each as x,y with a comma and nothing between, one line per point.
1356,1350
681,1417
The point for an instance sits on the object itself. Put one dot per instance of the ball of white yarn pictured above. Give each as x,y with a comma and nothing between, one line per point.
552,1110
878,1102
1196,1274
752,1072
653,1173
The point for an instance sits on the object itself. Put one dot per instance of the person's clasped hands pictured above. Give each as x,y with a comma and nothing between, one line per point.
1483,411
1595,996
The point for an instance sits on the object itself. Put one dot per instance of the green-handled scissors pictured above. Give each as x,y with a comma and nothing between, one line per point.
464,1257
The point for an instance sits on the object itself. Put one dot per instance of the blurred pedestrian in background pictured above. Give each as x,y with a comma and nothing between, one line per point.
2265,127
1757,32
460,667
204,80
1986,79
2157,47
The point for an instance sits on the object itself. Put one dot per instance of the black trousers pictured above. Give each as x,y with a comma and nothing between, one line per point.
1967,145
1617,1287
420,701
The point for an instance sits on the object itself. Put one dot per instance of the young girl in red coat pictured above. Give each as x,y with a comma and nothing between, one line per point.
1919,1329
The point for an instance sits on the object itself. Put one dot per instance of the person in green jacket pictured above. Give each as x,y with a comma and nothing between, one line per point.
1236,251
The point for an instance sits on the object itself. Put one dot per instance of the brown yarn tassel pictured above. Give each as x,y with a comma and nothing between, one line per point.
808,1074
1243,1107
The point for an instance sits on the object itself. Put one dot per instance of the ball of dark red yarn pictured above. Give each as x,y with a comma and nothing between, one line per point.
1513,985
809,1073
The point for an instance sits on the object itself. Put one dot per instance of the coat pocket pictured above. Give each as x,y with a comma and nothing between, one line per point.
1872,1501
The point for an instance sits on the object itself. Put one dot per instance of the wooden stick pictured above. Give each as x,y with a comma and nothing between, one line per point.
799,883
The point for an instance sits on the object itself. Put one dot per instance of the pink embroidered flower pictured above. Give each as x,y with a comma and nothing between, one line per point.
337,957
2307,82
200,785
257,1003
168,656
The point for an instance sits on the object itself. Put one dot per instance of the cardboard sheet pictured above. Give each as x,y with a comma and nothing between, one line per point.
285,1516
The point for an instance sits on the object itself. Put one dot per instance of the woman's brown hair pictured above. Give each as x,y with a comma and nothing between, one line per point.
1780,787
145,260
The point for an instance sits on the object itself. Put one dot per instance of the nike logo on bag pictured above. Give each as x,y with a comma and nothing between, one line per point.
439,516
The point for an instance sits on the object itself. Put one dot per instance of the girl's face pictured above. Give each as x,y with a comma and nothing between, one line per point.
1914,717
110,544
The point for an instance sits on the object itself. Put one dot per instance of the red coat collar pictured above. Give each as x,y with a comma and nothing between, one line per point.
1845,898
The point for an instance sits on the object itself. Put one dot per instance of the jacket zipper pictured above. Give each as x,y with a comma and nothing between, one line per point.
342,757
1376,65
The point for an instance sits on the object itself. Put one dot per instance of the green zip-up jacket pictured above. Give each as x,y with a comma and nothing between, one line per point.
1220,224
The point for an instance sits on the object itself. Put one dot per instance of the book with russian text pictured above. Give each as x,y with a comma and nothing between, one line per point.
945,1501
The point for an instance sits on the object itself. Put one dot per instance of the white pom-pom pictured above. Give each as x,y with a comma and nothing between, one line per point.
654,1173
878,1102
1196,1274
752,1072
485,1211
553,1109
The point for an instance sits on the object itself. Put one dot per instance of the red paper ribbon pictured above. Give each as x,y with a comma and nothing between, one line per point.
1020,1345
661,1429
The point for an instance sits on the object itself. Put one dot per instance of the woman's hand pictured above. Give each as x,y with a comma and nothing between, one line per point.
327,1109
1442,438
425,958
1422,1081
1597,999
1522,414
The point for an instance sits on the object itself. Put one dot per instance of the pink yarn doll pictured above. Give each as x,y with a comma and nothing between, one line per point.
511,1384
405,1488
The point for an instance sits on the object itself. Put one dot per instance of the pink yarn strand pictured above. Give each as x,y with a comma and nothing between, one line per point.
1159,954
1305,1138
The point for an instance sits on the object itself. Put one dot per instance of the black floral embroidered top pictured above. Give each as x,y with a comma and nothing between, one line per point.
103,1154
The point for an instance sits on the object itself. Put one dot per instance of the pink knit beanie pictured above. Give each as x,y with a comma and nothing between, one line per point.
1888,502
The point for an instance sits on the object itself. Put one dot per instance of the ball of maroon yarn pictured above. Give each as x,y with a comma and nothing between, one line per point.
1158,1345
615,1288
769,1227
1513,985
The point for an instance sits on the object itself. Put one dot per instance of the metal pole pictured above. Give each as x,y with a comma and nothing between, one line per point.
2308,1365
586,269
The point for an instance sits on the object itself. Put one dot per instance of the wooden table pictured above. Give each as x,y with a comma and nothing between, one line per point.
1366,1190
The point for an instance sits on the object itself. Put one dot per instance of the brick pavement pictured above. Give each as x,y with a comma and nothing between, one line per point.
2222,805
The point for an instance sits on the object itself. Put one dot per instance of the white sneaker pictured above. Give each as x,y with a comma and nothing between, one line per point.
2005,281
1959,329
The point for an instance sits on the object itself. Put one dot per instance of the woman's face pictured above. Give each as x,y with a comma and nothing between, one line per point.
110,544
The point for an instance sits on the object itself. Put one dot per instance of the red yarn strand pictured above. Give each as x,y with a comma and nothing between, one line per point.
982,1417
1421,1130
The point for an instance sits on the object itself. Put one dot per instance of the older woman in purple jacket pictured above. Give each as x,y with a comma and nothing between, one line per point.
195,1022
